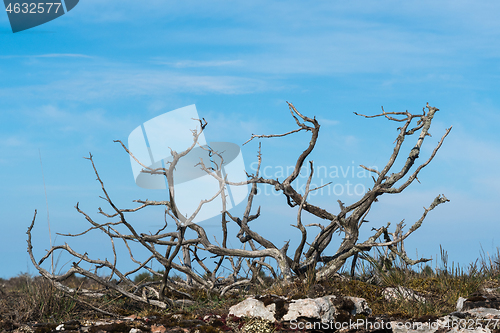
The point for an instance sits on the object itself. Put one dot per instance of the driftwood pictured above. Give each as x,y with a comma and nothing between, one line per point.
189,244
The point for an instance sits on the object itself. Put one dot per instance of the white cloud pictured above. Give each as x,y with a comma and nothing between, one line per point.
327,38
476,154
11,141
198,63
59,121
49,55
226,126
328,122
319,38
156,106
109,83
350,140
61,55
54,113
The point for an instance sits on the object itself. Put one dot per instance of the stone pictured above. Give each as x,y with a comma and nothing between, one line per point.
360,306
319,308
135,330
460,303
252,307
492,290
481,309
177,316
326,308
487,313
467,319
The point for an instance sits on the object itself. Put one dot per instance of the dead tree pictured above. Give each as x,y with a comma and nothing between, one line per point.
248,260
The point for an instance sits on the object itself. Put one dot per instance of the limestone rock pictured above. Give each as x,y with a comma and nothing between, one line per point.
487,313
479,310
360,306
460,303
324,309
318,308
252,307
478,313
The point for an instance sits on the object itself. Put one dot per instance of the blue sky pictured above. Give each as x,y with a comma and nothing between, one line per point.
73,85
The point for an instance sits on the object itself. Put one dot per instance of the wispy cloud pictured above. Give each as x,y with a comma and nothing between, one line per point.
109,83
11,141
323,38
232,126
58,120
328,122
62,55
50,55
200,63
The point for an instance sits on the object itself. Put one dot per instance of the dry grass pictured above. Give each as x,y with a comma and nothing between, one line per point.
25,298
28,299
34,299
441,287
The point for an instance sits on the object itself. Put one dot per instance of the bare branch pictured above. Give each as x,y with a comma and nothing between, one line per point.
204,263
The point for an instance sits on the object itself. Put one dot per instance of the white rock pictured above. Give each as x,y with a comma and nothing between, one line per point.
492,290
135,330
254,308
466,330
360,306
460,303
485,313
447,324
319,308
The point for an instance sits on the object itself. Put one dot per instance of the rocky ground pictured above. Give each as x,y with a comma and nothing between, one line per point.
480,313
422,305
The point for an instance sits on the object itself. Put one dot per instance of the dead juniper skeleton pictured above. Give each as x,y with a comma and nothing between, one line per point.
190,241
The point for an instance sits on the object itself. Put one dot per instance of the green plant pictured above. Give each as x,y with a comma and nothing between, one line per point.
148,277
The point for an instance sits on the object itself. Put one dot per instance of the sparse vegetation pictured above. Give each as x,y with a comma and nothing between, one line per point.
27,299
